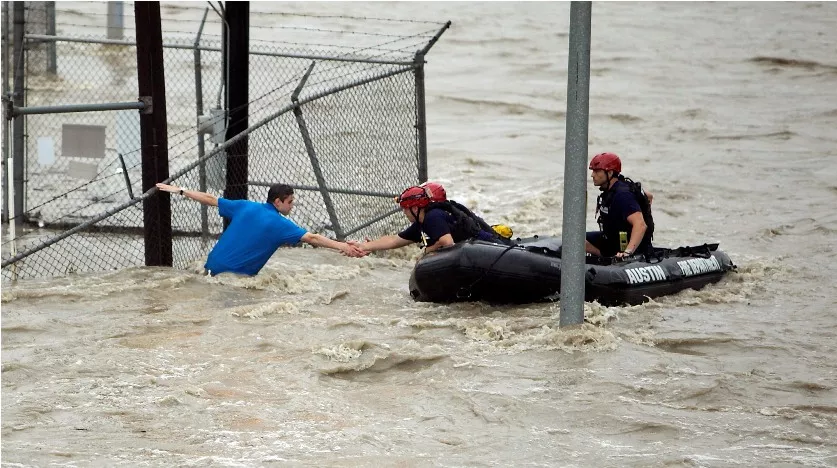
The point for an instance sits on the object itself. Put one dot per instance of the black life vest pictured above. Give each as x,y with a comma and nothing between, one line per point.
611,226
466,224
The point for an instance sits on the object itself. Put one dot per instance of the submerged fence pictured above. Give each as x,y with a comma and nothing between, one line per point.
344,125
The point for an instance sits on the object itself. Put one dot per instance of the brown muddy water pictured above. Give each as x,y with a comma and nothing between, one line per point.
726,111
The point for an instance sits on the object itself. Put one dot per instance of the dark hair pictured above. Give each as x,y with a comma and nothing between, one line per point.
280,191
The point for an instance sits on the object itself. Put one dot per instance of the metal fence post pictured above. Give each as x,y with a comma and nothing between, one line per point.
237,18
154,137
421,118
575,162
16,211
201,142
312,156
52,60
5,78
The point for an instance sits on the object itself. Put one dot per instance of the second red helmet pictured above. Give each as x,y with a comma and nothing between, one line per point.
606,162
435,191
413,197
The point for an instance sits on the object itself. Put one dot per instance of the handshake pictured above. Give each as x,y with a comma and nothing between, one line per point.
356,249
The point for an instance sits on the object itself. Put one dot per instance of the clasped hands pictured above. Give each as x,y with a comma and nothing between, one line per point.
351,249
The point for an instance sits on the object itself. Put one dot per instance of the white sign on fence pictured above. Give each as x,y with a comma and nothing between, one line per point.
46,151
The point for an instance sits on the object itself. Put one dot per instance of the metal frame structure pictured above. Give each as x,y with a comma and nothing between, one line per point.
16,113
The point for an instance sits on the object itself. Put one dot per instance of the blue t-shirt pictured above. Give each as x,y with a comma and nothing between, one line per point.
436,224
256,230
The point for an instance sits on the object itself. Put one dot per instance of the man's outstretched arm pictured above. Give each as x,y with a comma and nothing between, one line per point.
383,243
202,197
321,241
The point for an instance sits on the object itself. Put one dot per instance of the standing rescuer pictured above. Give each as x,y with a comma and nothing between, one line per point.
623,211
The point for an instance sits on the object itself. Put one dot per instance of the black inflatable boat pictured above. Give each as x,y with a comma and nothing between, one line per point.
530,271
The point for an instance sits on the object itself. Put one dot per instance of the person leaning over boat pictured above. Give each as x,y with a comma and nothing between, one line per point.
623,210
256,230
443,221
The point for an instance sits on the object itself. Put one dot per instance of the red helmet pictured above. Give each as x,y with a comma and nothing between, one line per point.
606,162
435,191
413,197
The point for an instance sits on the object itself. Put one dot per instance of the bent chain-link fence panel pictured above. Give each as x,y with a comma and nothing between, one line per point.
358,107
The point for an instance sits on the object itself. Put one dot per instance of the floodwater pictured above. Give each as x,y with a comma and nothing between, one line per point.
725,111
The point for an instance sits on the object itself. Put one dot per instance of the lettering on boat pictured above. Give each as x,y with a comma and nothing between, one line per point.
646,274
699,266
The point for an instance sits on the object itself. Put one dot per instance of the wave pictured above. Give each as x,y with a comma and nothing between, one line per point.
474,162
277,277
534,328
783,135
691,346
810,386
817,408
262,310
507,108
651,429
363,356
792,63
588,337
22,329
624,118
100,285
693,113
800,227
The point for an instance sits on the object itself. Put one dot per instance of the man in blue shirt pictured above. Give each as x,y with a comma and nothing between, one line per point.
623,209
444,223
256,230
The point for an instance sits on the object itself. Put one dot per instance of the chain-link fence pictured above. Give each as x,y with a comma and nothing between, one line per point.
360,106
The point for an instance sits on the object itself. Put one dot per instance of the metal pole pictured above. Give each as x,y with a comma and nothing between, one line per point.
155,156
421,119
5,63
575,166
199,111
371,222
69,108
225,65
421,109
127,176
12,234
17,130
8,180
52,61
312,156
237,19
115,21
433,39
318,174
